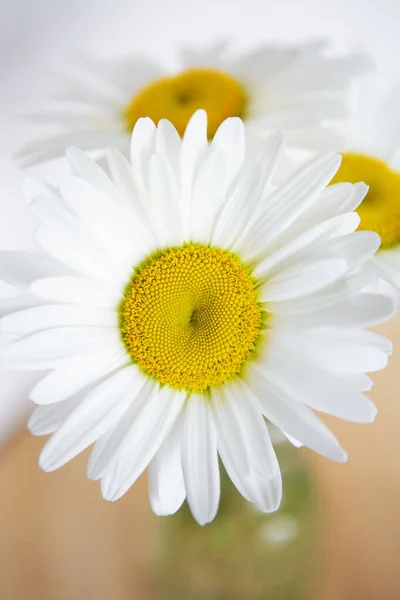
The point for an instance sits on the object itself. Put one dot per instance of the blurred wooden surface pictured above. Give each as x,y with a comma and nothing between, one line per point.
60,541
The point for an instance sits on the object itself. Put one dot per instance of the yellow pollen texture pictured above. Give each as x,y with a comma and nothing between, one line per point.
380,209
190,317
176,98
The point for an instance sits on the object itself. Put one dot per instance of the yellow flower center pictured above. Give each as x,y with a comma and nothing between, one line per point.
380,210
176,98
190,317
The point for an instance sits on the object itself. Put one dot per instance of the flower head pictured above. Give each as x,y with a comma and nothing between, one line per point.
181,300
293,88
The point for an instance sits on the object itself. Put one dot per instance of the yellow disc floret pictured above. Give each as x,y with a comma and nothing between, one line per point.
176,98
380,210
190,317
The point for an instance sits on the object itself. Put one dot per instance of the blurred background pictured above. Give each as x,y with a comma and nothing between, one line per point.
337,536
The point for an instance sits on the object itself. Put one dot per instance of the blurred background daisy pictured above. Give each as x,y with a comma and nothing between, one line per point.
59,540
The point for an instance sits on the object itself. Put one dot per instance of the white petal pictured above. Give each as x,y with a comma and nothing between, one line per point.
302,279
20,269
142,146
104,460
166,485
342,197
14,304
77,290
98,411
241,209
54,146
292,417
102,217
319,389
47,419
340,291
76,373
123,179
355,248
74,251
251,427
193,148
146,431
45,349
338,350
57,315
388,267
200,460
245,448
165,200
362,310
266,494
168,144
35,188
331,228
230,138
208,195
289,201
89,170
47,213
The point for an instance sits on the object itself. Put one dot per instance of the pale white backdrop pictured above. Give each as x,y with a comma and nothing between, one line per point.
38,37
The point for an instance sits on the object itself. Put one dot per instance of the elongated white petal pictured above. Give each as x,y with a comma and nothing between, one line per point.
76,373
106,451
142,146
45,350
47,419
77,290
102,216
54,146
252,429
355,248
246,450
331,228
339,350
164,194
168,144
200,460
166,486
320,389
242,207
340,291
303,279
388,267
20,269
148,428
292,417
57,315
207,197
193,148
89,170
289,201
362,310
230,138
73,251
8,306
98,411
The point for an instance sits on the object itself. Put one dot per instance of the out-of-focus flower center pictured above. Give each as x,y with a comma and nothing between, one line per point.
380,210
190,317
176,98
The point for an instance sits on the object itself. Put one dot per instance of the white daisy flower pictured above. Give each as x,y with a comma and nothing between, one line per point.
181,302
291,88
372,154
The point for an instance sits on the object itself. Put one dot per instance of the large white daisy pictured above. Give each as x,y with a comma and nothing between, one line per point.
291,88
371,153
181,301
